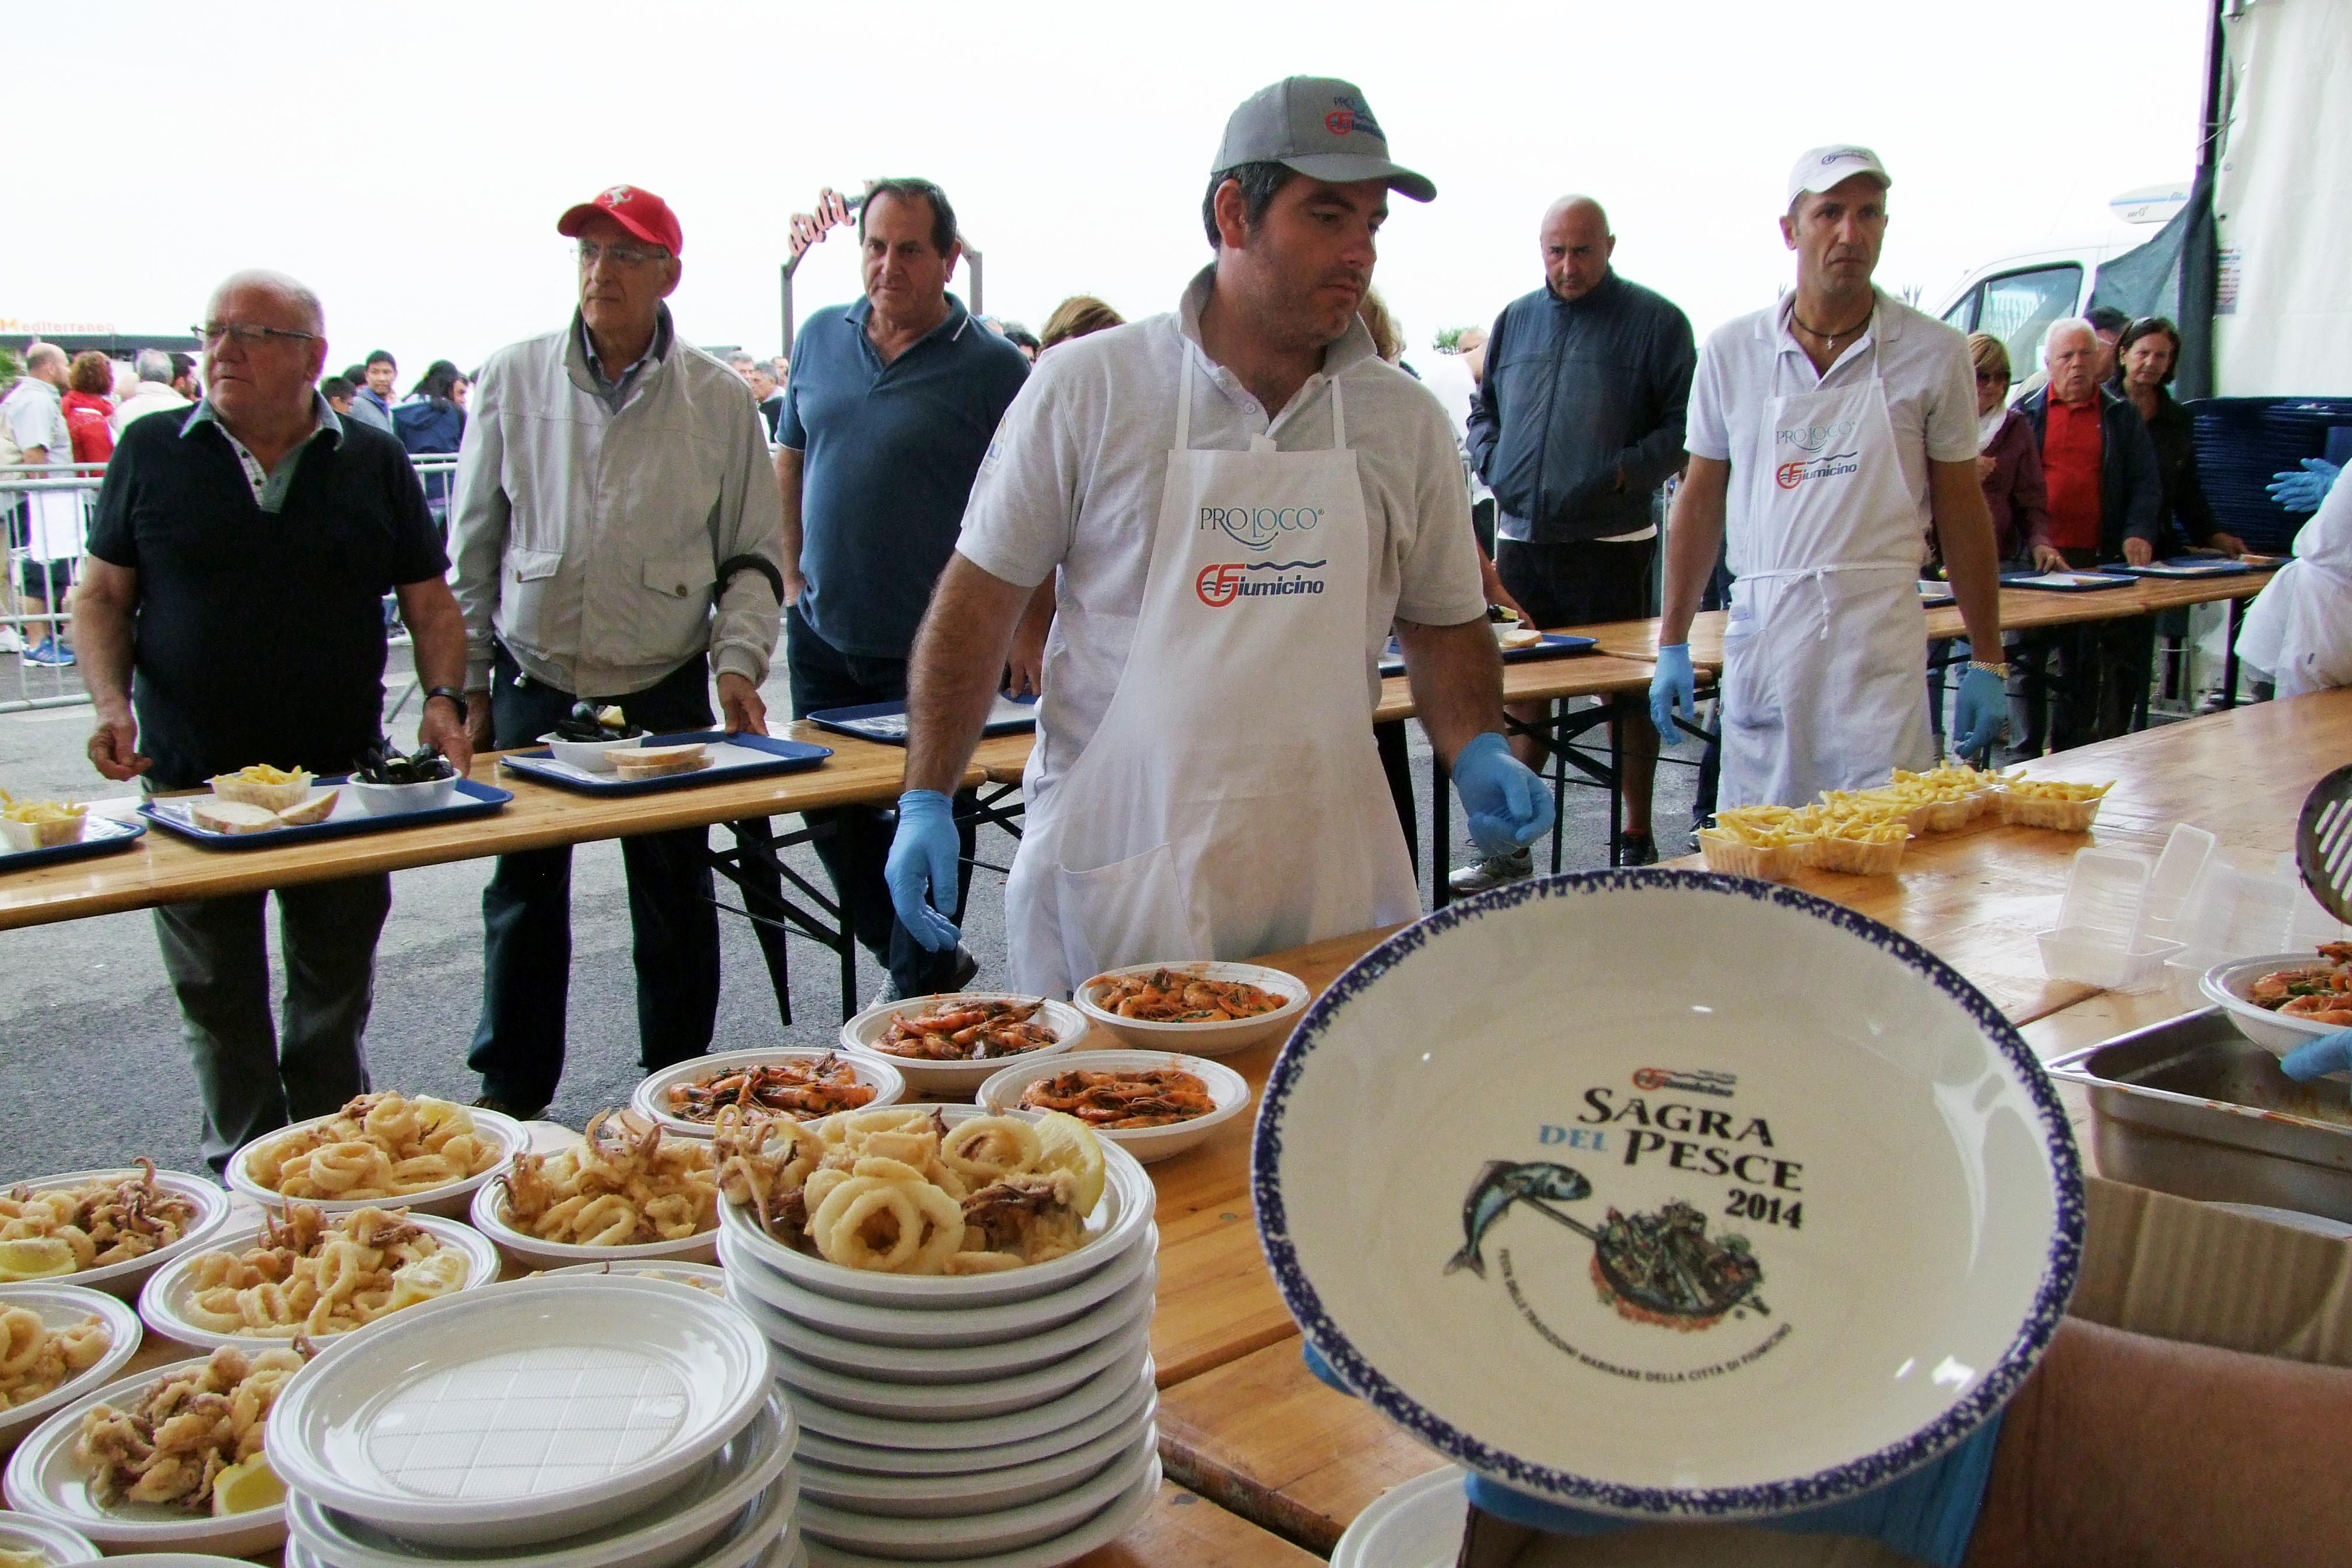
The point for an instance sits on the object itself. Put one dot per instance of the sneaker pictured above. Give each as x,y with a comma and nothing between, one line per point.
492,1102
967,970
48,652
1493,871
11,641
1636,849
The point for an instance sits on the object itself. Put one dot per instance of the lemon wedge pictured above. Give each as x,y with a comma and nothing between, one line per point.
242,1489
1067,1143
34,1257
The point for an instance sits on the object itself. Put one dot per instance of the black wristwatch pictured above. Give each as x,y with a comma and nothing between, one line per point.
453,694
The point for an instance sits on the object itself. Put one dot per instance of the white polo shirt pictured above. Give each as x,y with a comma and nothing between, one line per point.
1073,477
1931,393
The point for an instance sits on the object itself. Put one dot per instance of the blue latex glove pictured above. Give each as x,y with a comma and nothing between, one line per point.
1506,800
2302,489
922,867
1978,714
2327,1054
1673,686
1928,1514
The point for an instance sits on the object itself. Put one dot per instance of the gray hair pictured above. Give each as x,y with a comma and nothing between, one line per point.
743,356
294,292
2066,324
155,365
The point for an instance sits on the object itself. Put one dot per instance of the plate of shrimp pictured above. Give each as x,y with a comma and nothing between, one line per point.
2284,1000
1210,1009
1152,1104
948,1045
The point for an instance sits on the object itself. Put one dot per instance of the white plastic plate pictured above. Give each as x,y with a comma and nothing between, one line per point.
56,1545
764,1534
1201,1039
2227,984
124,1280
59,1306
1413,1524
448,1201
677,1530
926,1327
908,1496
966,1535
45,1479
1103,1389
1668,1148
165,1302
651,1098
843,1455
528,1251
968,1401
956,1079
523,1413
1229,1096
1124,1512
707,1278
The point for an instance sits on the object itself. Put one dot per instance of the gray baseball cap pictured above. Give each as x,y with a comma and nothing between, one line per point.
1321,127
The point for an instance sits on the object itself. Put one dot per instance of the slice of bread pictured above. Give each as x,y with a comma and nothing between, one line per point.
218,815
317,809
1515,636
656,762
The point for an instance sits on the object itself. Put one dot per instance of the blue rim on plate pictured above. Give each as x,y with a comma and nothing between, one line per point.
789,757
1992,1390
116,836
885,722
475,800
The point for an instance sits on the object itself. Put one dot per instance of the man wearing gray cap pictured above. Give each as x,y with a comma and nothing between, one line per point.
1241,499
1826,435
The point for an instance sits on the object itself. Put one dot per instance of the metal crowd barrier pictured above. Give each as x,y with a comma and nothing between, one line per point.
45,509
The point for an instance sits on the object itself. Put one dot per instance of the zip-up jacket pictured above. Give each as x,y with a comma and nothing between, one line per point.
2131,492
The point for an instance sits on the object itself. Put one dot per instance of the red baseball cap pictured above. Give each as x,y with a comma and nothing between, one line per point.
639,211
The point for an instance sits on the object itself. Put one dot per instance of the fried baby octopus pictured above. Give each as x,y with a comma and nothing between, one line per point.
92,1225
171,1444
625,1185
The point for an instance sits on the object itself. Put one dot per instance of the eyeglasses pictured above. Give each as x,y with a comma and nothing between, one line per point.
247,335
619,255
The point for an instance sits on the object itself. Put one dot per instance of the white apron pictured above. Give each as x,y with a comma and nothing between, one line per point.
1231,802
1824,650
2299,628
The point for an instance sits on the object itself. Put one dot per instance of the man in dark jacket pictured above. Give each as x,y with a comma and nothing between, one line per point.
2105,493
1578,421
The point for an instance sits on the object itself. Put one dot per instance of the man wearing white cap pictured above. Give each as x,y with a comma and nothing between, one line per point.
1826,434
1241,499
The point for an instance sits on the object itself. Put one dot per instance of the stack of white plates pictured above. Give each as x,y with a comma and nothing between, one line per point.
612,1422
997,1419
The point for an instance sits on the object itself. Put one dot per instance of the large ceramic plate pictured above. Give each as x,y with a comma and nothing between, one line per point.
1229,1096
1123,1513
60,1305
956,1079
675,1529
166,1300
448,1200
651,1099
1778,1204
523,1413
46,1480
1201,1039
1125,1209
124,1278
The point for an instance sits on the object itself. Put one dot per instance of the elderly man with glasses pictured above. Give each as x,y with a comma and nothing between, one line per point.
618,540
228,614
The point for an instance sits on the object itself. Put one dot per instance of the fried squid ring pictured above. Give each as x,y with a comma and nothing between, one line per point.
346,1168
988,1148
609,1221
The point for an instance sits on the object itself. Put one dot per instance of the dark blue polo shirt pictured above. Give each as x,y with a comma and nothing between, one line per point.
889,455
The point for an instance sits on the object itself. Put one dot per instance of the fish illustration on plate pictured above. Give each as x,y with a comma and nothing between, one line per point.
1660,1267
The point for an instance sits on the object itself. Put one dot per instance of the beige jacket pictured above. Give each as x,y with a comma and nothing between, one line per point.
589,542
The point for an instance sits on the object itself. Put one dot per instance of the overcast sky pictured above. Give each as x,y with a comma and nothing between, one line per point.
409,160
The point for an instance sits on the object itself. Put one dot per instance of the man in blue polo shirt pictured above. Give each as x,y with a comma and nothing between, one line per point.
890,408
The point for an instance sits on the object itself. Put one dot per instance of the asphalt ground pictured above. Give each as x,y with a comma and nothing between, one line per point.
92,1071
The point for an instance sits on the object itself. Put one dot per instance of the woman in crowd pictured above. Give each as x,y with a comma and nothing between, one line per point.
1076,317
88,406
2146,356
430,423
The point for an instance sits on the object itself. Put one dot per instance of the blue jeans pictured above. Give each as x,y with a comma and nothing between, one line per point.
855,840
527,912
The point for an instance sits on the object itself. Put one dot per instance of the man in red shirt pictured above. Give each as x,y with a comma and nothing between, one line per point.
2104,495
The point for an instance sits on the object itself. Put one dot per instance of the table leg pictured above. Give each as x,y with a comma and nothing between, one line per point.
1441,830
2230,654
1555,713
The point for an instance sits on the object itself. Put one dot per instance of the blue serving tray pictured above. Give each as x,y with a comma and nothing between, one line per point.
100,835
1555,644
780,757
1933,593
474,800
887,721
2066,582
2194,566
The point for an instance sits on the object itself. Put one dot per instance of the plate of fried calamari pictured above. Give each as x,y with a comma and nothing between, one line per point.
57,1342
951,1043
303,1272
626,1190
1152,1104
123,1465
800,1082
425,1155
928,1203
104,1229
1211,1009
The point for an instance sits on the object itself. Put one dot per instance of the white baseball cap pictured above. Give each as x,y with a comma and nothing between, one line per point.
1824,167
